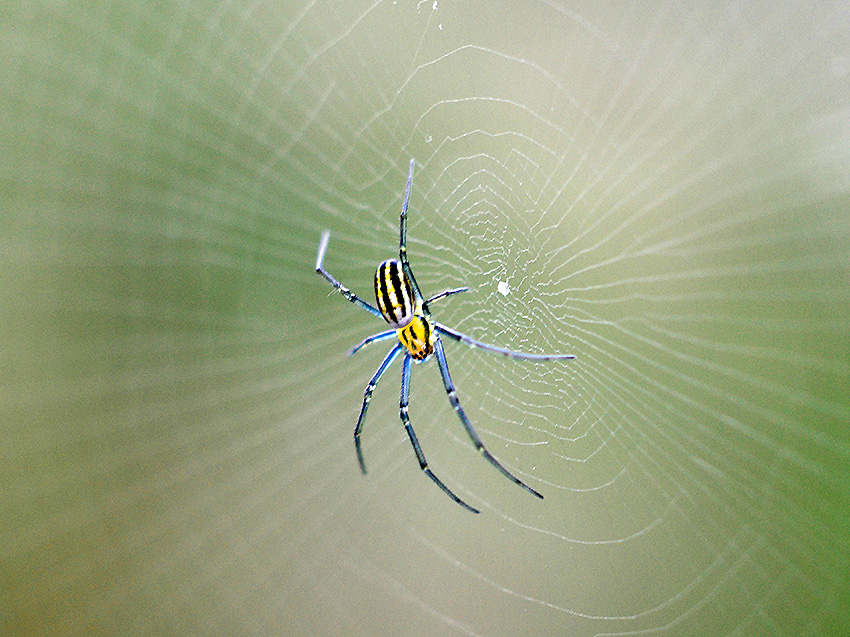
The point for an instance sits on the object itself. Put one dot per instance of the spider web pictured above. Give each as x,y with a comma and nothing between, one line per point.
660,190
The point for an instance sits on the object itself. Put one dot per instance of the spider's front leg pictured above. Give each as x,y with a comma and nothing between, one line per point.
405,419
455,402
367,398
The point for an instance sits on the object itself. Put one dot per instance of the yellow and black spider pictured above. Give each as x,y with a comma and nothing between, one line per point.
401,304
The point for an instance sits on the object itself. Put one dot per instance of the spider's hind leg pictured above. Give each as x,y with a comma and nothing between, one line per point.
348,294
402,242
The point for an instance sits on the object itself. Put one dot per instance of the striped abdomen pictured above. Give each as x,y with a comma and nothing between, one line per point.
394,294
401,309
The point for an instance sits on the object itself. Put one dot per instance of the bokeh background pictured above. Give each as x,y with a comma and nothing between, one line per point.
661,189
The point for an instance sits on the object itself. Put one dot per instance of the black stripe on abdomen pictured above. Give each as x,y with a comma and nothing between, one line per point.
393,293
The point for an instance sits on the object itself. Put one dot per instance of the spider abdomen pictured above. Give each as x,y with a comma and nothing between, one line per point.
394,294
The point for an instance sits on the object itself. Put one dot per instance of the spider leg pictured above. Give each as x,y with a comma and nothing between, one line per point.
348,294
453,399
367,396
405,419
380,336
402,243
447,293
457,336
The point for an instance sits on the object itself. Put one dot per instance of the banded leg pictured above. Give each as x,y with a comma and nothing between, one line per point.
447,293
402,242
405,419
380,336
453,399
348,294
367,396
457,336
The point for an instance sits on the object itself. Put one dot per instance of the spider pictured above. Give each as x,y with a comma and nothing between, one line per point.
401,304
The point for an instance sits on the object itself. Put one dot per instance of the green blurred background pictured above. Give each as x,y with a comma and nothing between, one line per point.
665,188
